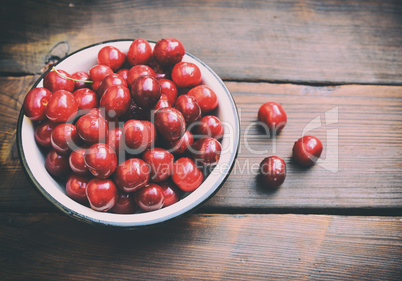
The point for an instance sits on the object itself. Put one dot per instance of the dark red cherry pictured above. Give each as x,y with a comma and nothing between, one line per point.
77,162
115,139
205,96
206,151
189,107
112,57
186,74
182,145
135,112
43,132
35,103
171,193
131,175
116,101
160,162
102,194
139,136
86,99
65,138
110,80
101,160
186,175
211,126
149,198
92,128
79,77
75,188
125,204
170,123
273,116
62,107
140,52
168,52
272,171
146,91
137,71
97,73
57,164
54,81
169,89
307,150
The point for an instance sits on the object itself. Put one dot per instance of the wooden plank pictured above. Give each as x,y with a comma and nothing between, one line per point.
300,41
203,247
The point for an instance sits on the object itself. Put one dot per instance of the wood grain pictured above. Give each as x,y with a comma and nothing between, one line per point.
203,247
298,41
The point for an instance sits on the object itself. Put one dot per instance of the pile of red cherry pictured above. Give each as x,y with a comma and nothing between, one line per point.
133,133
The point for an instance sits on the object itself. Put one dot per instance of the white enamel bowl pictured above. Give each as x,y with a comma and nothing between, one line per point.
33,159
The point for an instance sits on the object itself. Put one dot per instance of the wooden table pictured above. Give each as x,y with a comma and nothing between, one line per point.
339,61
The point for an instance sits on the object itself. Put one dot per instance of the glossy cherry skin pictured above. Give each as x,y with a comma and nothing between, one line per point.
139,136
131,175
188,106
65,138
171,193
273,116
206,151
110,80
97,73
43,133
137,71
54,82
211,126
57,164
112,57
81,76
35,103
149,198
182,145
115,139
92,128
162,103
169,89
125,204
168,52
186,74
77,162
146,91
102,194
160,162
86,99
123,73
140,52
186,175
75,188
205,96
307,150
170,123
116,100
272,171
62,107
101,160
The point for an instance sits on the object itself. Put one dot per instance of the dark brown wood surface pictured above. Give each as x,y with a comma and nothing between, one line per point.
339,61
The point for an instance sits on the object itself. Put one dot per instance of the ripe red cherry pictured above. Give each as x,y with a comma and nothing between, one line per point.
205,96
160,162
62,107
102,194
131,175
86,99
307,150
101,160
163,102
189,107
123,73
211,126
140,52
43,133
272,171
115,139
171,193
109,81
169,89
139,136
125,204
168,52
206,151
273,116
54,81
137,71
186,74
146,91
186,175
112,57
182,145
64,138
80,76
75,188
35,103
170,123
149,198
97,73
57,164
116,100
77,162
92,128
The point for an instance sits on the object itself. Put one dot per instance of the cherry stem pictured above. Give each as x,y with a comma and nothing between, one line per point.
76,80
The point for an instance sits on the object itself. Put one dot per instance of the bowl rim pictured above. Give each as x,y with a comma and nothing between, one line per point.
81,217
